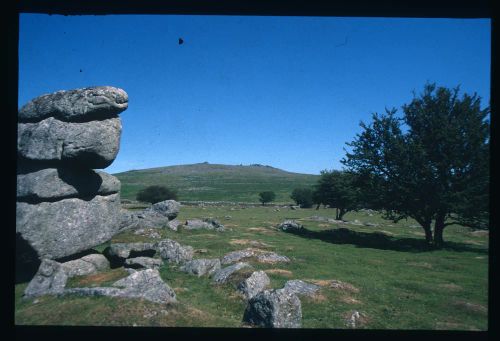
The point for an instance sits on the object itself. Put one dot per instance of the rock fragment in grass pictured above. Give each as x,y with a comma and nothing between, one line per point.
207,223
173,252
274,309
290,225
86,265
221,276
50,278
200,267
299,287
254,284
143,263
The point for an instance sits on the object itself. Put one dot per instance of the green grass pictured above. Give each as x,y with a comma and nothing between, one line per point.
401,284
212,182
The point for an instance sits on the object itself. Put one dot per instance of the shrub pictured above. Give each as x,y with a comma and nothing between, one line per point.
303,197
267,196
154,194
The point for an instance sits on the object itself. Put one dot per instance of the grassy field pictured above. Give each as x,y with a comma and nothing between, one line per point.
212,182
396,283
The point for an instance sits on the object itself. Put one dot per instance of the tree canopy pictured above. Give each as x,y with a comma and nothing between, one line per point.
432,164
337,189
303,197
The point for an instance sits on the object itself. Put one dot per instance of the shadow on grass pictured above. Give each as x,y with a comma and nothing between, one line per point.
381,241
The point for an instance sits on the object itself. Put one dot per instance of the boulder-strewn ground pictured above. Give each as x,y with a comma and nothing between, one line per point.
353,275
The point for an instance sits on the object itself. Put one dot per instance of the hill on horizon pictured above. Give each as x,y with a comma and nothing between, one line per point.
216,182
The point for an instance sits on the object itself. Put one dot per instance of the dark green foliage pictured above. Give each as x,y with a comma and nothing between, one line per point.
337,189
303,197
266,196
154,194
432,164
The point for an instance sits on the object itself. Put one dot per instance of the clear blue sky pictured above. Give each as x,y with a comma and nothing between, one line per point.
282,91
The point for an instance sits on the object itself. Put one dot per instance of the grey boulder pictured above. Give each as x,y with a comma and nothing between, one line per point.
174,224
50,278
86,265
76,105
254,284
143,262
58,183
173,252
274,309
207,223
166,208
65,227
93,144
299,287
260,255
200,267
221,276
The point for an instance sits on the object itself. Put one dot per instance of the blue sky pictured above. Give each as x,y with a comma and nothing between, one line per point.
282,91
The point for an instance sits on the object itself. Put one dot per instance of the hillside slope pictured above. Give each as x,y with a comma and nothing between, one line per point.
215,182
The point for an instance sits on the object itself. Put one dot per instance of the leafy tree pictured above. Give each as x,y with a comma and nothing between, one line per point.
431,165
154,194
303,197
267,196
337,189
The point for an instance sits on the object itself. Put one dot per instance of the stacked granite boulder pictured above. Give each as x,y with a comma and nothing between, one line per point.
64,206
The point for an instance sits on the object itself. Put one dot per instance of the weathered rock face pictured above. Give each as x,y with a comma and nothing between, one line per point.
254,284
173,252
158,215
76,105
62,228
86,265
299,287
50,279
200,267
166,208
93,144
221,276
123,250
146,284
208,224
143,263
63,205
274,309
59,183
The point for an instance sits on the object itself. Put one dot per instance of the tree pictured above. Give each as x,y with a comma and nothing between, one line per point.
267,196
337,189
303,197
431,165
154,194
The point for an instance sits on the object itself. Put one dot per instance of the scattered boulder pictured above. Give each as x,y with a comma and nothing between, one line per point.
50,278
166,208
207,223
86,265
174,252
174,224
290,225
352,322
156,216
221,276
271,257
236,256
146,284
254,284
150,233
274,309
299,287
143,263
201,267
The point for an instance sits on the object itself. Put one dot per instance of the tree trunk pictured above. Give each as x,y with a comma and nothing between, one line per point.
428,234
336,214
438,230
342,212
317,207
